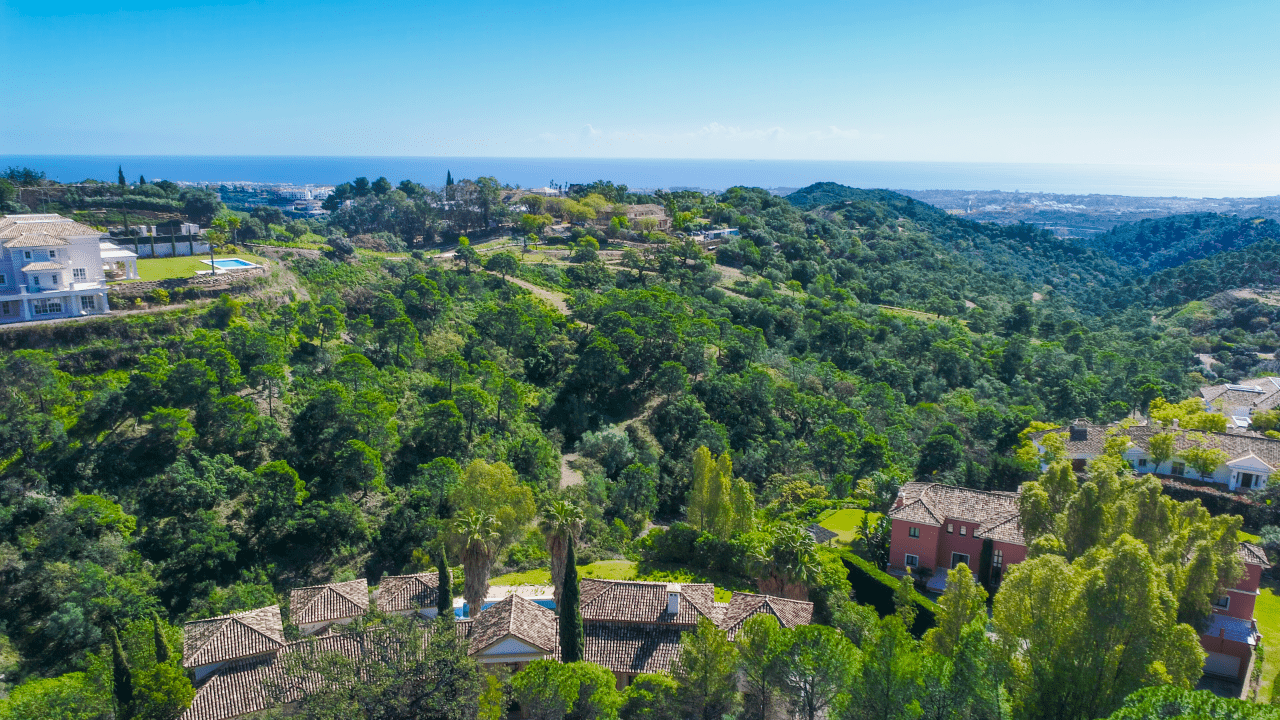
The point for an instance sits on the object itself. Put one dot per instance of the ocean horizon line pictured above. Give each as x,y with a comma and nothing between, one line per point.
1225,180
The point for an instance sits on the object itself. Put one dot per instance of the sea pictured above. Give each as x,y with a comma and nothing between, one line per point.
1190,181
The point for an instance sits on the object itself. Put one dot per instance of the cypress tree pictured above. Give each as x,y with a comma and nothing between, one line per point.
122,678
444,597
162,646
571,636
142,179
120,176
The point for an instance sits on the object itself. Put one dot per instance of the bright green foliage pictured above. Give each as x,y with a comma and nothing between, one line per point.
761,647
549,690
1168,703
650,697
1202,458
820,668
719,503
1084,635
963,602
1160,447
706,669
121,677
892,676
67,697
494,488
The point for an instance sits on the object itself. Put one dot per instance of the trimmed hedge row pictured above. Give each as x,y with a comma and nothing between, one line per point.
873,586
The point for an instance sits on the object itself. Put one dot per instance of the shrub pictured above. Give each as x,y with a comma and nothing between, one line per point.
872,586
158,296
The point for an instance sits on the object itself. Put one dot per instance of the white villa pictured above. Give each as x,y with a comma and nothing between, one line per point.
52,267
1240,401
1251,458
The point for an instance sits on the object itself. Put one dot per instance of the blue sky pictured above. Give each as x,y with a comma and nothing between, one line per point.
1090,82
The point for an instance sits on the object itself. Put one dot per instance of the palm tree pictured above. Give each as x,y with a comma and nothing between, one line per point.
478,539
786,565
560,521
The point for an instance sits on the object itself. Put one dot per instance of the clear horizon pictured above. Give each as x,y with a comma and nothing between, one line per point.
1138,83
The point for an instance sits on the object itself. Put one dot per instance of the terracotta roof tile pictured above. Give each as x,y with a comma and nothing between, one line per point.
934,503
35,239
397,593
1252,554
1236,445
518,616
230,637
13,226
646,602
632,647
743,606
334,601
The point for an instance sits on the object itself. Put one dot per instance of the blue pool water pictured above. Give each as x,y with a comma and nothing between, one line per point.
232,264
464,611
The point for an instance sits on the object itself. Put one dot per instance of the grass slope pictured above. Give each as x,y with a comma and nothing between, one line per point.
183,267
628,570
1267,612
846,523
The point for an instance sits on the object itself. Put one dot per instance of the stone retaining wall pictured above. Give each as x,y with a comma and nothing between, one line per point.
204,282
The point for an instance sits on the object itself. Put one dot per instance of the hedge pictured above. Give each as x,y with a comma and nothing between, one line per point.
873,586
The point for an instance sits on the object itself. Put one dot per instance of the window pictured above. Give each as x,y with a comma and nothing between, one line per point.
950,528
26,254
997,558
88,302
957,558
79,274
46,307
3,281
912,561
4,308
35,280
1177,469
964,530
1142,462
53,254
914,532
1223,602
56,278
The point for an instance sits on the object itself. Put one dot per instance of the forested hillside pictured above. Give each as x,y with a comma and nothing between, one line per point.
206,460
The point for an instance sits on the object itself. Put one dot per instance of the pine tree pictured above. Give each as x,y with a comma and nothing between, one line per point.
142,179
122,678
571,636
444,595
120,176
163,653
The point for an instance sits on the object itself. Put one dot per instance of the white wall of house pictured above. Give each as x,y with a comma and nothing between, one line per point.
313,628
77,287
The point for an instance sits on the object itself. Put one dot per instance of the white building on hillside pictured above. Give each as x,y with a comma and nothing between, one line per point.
52,267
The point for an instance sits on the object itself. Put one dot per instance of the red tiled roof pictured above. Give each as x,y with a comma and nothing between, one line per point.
646,602
518,616
1252,554
230,637
408,592
334,601
743,606
934,503
632,647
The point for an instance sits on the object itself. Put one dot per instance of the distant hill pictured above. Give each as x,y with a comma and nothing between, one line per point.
1152,245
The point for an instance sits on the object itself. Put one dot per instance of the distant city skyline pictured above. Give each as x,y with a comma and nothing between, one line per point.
1182,83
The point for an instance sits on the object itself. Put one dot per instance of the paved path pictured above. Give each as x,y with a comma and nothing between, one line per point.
569,476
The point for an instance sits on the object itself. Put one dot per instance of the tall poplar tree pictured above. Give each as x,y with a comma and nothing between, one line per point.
162,646
444,593
121,678
571,635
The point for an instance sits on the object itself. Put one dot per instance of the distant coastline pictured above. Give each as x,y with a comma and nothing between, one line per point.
1129,180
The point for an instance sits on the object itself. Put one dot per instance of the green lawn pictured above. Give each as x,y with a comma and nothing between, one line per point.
183,267
620,570
846,523
1267,612
1248,537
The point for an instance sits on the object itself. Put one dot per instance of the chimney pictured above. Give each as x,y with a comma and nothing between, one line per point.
673,599
1079,431
1175,423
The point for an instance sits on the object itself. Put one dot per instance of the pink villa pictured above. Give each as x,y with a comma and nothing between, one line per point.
1232,633
937,527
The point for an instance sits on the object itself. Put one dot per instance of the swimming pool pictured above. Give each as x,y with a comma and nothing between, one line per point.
231,264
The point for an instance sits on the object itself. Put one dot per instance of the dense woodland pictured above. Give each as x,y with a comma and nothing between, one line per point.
208,459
